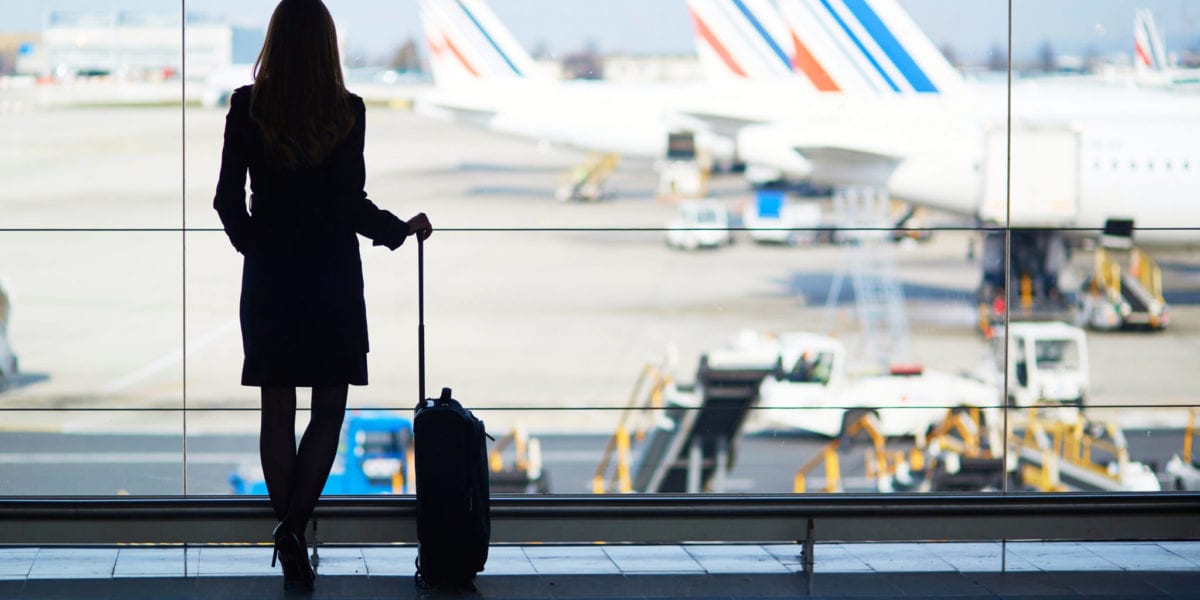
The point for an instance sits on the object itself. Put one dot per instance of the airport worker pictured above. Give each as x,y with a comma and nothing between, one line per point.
299,134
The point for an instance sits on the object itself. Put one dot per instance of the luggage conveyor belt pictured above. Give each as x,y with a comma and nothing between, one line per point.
692,444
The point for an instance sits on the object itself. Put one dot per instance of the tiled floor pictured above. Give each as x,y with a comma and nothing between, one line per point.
984,570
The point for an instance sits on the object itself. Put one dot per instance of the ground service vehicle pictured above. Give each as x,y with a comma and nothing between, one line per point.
372,458
772,219
808,385
700,224
1047,364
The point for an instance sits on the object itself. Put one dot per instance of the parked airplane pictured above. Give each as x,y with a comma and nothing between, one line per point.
1150,56
883,108
486,79
920,132
1149,53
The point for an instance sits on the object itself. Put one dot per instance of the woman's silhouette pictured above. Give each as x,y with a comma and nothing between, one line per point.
299,133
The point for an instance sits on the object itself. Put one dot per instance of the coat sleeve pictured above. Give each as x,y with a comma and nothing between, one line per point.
230,200
381,226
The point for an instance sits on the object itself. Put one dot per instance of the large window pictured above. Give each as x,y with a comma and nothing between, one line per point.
751,246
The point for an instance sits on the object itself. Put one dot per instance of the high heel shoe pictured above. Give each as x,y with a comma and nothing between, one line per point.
298,574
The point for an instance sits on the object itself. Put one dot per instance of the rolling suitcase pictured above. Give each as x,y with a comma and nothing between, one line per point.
453,519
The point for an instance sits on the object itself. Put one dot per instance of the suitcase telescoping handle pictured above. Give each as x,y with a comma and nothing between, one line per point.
421,318
446,393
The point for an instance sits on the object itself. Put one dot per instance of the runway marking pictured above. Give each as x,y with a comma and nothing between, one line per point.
166,361
120,384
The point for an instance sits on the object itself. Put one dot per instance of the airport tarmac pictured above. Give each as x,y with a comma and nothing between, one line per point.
45,464
539,311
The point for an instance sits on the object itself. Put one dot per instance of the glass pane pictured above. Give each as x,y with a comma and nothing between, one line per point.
548,329
95,321
90,123
102,452
222,451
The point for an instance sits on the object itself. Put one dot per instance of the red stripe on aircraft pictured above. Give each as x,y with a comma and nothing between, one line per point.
712,40
806,62
1142,55
434,48
462,59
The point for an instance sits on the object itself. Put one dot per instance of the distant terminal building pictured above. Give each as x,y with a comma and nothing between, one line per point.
134,45
621,68
652,69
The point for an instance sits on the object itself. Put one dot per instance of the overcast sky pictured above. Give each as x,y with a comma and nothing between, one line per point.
972,27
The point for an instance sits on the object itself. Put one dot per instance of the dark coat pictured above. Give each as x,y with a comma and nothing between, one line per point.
302,283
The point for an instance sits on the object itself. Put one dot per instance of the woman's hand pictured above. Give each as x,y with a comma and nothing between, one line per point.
420,226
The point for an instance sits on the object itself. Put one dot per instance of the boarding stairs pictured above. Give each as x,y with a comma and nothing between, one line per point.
1123,291
588,180
864,233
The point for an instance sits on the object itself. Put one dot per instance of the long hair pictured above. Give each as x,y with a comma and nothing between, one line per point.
300,102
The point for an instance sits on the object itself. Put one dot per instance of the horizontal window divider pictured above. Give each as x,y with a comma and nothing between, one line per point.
535,408
980,228
640,519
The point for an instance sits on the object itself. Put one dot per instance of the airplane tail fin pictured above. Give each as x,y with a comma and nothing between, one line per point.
741,40
468,42
867,45
1150,55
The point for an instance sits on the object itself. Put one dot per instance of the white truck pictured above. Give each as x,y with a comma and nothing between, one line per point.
771,218
809,387
700,224
1047,364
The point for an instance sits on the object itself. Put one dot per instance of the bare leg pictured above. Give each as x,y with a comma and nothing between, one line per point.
277,445
318,448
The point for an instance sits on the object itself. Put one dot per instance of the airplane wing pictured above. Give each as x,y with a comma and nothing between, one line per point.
844,165
445,108
722,124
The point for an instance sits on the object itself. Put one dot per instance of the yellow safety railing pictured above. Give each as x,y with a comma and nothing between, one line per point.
585,181
1147,272
1072,443
1026,292
603,168
1108,274
651,383
519,440
1188,433
967,424
828,456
